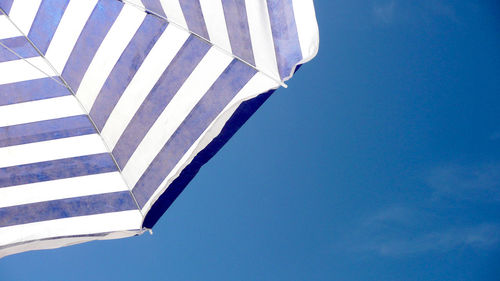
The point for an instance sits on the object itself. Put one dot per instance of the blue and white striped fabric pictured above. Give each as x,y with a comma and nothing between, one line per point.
108,108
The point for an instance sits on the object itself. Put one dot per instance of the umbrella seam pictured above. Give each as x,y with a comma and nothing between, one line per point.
28,62
79,103
147,11
23,58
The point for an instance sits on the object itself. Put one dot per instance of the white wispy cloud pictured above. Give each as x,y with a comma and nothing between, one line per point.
465,182
483,236
402,231
384,12
418,227
495,136
442,9
396,214
425,11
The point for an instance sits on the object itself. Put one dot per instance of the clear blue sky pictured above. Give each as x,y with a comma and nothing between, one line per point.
381,161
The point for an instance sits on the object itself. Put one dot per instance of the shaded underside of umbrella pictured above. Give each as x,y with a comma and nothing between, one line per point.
109,108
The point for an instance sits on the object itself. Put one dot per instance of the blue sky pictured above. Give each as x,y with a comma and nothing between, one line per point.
381,161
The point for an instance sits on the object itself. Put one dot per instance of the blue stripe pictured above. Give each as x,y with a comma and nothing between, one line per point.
183,64
96,28
67,208
126,67
194,17
57,169
46,21
19,45
285,36
46,130
237,27
31,90
231,81
154,6
5,5
240,116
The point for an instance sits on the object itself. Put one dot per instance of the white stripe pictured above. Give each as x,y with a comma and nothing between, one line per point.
197,84
39,110
307,28
213,13
23,13
7,29
173,11
85,225
65,241
257,85
61,189
113,45
22,70
71,25
160,56
51,150
261,36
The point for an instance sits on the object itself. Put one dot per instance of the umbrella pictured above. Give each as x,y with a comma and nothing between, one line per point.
109,108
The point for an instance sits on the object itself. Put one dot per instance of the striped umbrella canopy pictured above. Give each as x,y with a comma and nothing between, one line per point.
109,108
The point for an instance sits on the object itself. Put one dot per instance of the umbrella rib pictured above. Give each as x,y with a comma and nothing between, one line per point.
65,84
30,63
21,57
280,82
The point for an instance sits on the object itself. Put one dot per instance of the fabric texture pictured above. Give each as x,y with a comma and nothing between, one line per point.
109,108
